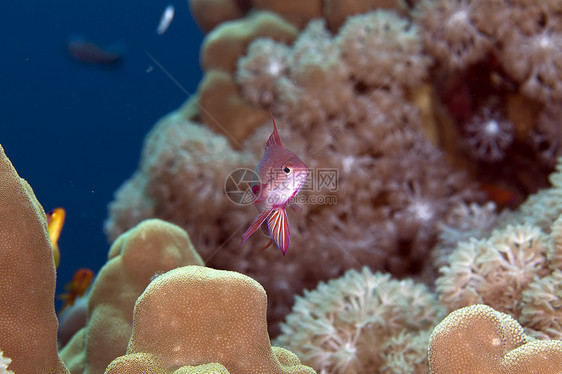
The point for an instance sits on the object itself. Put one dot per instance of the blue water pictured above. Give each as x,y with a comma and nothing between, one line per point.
74,131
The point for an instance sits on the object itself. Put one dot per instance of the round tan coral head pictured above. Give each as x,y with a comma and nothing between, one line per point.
194,316
478,339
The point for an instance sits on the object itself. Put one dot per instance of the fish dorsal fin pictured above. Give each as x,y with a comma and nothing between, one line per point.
274,137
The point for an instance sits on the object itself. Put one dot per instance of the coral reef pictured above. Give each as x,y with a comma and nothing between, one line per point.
222,108
152,247
180,179
361,323
461,223
383,49
193,315
515,270
504,52
478,339
495,270
456,32
369,97
364,132
28,323
546,136
218,306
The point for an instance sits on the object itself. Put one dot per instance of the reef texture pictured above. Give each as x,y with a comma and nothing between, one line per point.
28,323
478,339
211,13
147,250
516,268
363,323
194,315
357,131
222,107
498,75
369,98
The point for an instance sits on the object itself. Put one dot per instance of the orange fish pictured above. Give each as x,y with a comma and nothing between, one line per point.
281,175
80,283
55,223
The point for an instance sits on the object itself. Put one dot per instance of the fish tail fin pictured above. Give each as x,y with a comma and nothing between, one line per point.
256,224
278,224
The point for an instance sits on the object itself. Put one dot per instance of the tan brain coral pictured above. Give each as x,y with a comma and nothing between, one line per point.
152,247
478,339
194,316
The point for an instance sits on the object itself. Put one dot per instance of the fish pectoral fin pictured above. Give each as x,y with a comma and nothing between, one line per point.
278,225
267,245
256,224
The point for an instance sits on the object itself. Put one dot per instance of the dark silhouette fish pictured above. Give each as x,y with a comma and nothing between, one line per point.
86,51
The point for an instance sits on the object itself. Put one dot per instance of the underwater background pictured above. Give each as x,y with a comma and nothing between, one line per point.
426,238
74,129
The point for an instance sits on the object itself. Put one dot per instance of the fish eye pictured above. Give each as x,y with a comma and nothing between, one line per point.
287,170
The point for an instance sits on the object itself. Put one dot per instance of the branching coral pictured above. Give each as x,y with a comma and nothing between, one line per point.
362,322
478,339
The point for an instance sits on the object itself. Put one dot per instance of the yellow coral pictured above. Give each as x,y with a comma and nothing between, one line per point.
478,339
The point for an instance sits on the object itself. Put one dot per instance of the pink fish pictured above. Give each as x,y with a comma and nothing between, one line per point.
281,174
